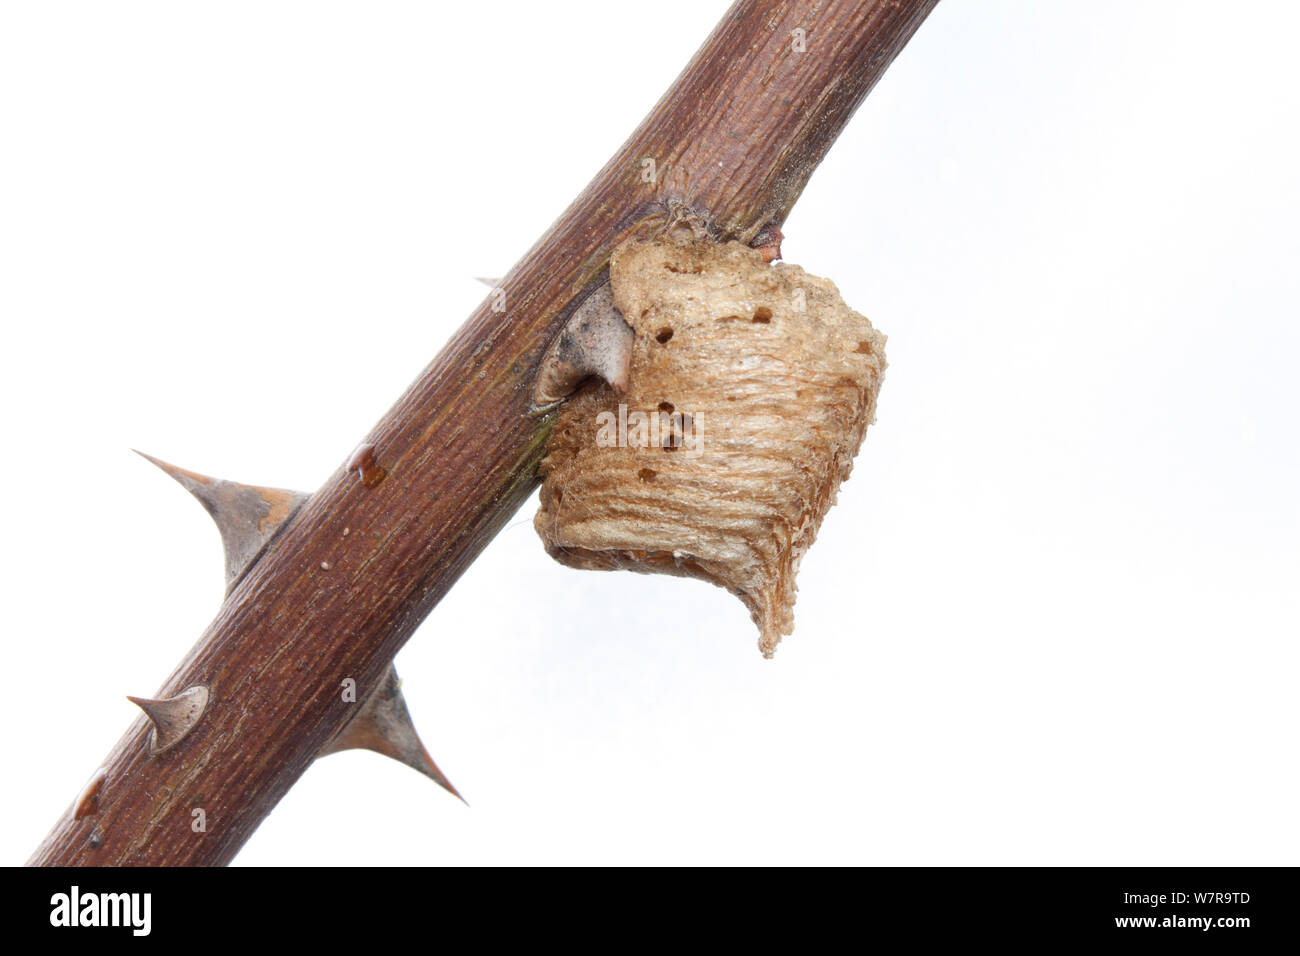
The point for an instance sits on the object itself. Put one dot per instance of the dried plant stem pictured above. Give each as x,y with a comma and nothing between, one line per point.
343,585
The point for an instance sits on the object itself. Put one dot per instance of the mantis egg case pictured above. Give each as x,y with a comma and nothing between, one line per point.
749,390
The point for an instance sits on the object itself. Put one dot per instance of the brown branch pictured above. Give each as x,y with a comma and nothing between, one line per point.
343,585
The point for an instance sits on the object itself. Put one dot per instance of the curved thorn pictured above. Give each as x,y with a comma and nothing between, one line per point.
88,800
172,717
246,515
595,341
384,725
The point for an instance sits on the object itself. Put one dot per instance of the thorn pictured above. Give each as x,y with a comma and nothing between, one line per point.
384,725
490,283
173,717
88,800
368,470
595,341
246,515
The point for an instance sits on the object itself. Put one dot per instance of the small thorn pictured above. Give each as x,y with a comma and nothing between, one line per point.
595,341
384,725
173,717
246,515
365,464
88,800
490,283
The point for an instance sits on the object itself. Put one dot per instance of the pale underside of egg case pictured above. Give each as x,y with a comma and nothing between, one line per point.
749,391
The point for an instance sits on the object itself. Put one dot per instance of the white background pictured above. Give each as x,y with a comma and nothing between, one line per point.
1053,618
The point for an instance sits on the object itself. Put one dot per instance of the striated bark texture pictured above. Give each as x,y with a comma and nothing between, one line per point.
346,580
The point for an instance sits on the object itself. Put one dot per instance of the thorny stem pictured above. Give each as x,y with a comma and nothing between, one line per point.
341,588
